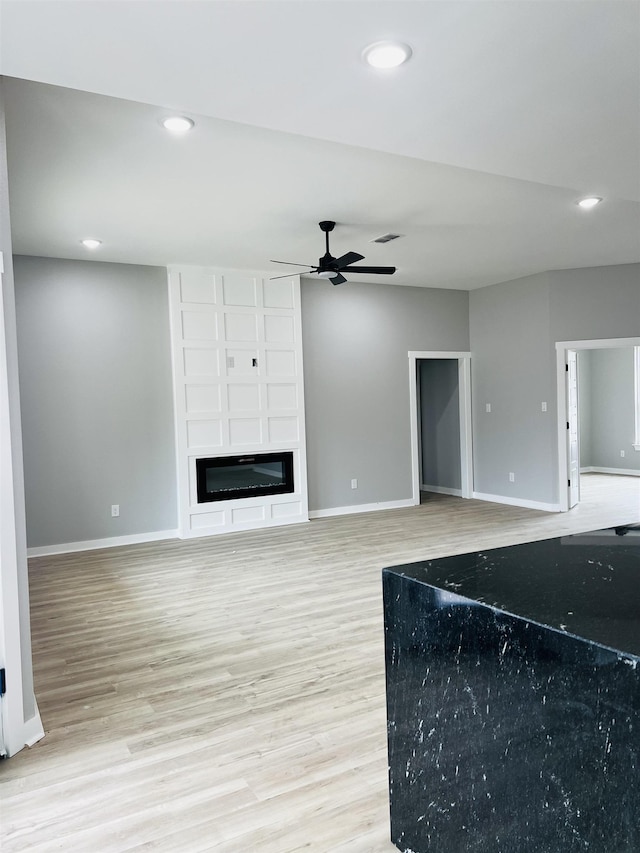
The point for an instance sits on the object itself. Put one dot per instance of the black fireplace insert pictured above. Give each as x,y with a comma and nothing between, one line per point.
226,478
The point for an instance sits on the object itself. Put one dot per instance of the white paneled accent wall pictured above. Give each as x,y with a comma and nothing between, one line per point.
238,384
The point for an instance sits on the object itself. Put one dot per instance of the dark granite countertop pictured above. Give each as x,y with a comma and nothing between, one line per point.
586,585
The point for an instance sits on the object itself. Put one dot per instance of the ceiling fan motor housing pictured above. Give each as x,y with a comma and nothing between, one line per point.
327,262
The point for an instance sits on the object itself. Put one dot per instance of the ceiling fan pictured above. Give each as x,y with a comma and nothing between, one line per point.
332,268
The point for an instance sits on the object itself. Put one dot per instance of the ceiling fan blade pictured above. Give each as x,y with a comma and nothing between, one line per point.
337,279
349,258
288,275
292,264
370,270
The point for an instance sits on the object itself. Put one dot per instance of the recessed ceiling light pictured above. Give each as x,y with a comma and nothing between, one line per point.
177,124
90,243
386,54
588,203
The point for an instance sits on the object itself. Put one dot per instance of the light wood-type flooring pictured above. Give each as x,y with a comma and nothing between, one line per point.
227,693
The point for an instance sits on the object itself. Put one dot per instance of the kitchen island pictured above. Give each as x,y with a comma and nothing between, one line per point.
513,698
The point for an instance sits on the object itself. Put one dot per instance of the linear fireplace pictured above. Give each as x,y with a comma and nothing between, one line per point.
226,478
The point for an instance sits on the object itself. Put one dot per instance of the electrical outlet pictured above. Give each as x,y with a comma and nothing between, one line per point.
487,407
622,453
543,406
115,510
512,477
354,484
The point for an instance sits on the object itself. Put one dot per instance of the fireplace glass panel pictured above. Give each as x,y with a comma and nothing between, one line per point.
226,478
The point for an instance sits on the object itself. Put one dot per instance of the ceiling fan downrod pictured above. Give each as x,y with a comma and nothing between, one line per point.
327,226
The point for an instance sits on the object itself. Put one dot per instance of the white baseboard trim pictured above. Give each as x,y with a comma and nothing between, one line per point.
625,472
352,510
441,490
503,499
26,734
33,730
93,544
224,530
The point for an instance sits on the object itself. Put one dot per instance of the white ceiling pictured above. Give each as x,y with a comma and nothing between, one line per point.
476,150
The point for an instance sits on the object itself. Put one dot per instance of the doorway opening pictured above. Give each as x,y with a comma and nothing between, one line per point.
440,417
609,363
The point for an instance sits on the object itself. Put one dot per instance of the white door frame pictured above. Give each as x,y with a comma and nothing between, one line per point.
573,428
464,394
11,703
15,647
562,348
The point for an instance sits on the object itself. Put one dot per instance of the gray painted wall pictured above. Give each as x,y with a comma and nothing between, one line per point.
596,302
612,415
440,423
355,344
584,407
512,369
96,389
94,361
16,523
513,329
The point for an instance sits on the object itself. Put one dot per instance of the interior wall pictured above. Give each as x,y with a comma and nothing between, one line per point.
612,415
95,374
512,372
440,424
356,340
514,327
594,302
584,407
94,352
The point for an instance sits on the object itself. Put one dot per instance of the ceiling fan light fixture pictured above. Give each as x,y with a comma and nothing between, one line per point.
91,243
177,124
588,203
328,274
386,54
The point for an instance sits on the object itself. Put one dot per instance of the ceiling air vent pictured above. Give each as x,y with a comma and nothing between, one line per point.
386,238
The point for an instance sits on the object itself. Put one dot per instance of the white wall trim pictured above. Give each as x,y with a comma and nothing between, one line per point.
597,469
357,508
503,499
236,343
15,651
441,490
636,393
240,528
33,730
93,544
599,343
464,396
562,349
438,354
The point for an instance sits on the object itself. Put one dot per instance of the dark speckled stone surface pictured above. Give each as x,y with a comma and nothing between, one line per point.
513,697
